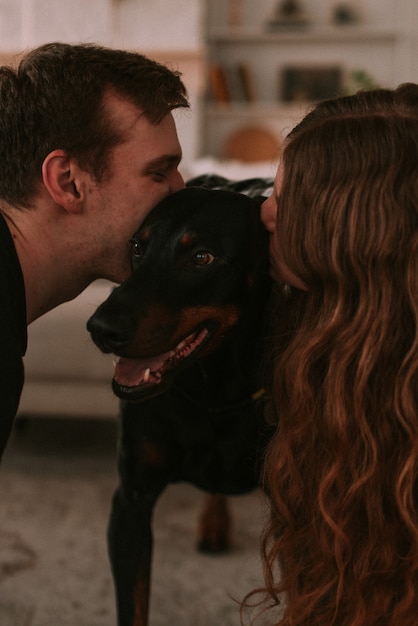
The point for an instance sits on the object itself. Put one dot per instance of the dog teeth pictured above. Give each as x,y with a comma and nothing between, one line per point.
181,345
146,375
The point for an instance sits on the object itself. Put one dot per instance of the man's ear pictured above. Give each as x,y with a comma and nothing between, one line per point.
60,175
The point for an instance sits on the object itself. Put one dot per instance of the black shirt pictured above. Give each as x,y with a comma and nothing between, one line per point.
13,332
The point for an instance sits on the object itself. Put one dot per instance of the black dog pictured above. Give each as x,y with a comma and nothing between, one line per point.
190,326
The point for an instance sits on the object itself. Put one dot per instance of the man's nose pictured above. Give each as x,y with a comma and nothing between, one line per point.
177,182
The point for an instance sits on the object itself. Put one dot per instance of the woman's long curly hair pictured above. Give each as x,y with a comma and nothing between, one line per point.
342,469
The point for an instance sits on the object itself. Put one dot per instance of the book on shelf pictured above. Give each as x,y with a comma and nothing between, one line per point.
231,82
247,81
218,84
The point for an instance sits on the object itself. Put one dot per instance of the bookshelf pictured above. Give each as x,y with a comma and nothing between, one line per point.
256,75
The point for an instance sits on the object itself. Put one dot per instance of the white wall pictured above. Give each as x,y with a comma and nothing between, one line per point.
147,24
159,24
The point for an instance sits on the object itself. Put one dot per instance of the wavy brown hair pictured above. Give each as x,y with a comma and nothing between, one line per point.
342,469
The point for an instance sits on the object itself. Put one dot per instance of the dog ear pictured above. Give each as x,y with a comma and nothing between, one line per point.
60,176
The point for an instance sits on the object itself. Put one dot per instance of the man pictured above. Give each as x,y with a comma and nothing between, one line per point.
88,146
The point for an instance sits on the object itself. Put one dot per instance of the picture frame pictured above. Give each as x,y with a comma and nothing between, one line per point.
299,83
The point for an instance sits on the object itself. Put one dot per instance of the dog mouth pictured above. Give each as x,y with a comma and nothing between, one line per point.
136,377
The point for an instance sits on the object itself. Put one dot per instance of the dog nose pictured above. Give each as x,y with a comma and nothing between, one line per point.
108,337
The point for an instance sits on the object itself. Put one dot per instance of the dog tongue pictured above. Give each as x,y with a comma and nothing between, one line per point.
130,372
133,372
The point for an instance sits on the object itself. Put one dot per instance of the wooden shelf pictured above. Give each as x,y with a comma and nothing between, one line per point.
323,34
235,110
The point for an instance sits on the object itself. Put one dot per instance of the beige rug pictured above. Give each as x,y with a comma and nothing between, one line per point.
56,483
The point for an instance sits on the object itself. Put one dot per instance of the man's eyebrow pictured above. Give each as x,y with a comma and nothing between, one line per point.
165,160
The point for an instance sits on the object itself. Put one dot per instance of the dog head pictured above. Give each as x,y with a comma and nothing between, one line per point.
196,264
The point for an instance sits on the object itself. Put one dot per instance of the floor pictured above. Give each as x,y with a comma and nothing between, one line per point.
56,482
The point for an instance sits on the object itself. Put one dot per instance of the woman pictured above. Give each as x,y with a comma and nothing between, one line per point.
342,470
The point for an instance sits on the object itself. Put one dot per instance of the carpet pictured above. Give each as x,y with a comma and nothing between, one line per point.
56,482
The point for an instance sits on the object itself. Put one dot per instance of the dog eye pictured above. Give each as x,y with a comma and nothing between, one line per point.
202,258
136,249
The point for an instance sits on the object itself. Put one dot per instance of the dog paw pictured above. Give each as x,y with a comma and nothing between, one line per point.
213,545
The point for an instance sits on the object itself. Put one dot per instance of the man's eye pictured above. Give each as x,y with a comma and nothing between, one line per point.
202,258
136,249
160,175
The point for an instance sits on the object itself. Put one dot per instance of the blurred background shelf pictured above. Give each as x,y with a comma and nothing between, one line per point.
266,73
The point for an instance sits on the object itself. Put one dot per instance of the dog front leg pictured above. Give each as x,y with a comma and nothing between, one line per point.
130,544
214,524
